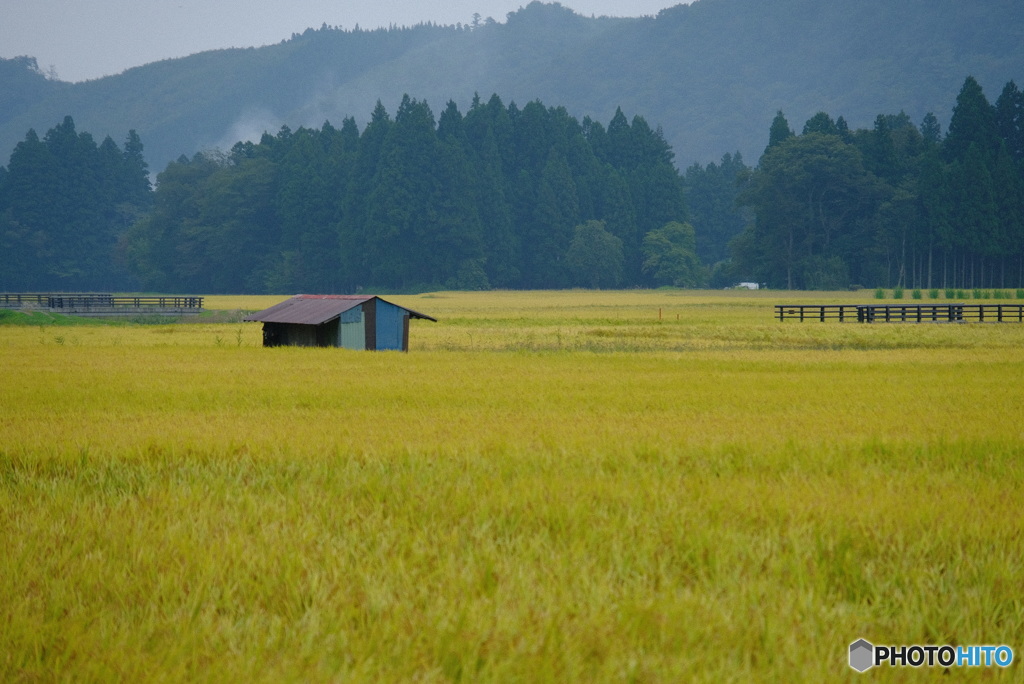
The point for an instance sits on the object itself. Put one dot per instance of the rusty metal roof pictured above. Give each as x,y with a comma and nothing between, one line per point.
316,309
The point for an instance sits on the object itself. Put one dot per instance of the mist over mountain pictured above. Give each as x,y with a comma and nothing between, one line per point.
711,74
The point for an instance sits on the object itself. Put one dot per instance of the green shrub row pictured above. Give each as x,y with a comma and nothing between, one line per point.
950,293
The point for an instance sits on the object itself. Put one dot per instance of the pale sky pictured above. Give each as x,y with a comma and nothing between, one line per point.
84,39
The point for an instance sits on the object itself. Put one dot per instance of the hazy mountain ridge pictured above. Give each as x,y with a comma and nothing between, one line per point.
711,74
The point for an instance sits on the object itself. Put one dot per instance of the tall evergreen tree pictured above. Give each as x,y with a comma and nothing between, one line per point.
880,150
137,188
457,231
973,123
975,214
489,134
843,129
397,222
934,210
1009,114
27,229
307,244
779,131
547,236
1008,240
931,131
618,147
355,213
711,194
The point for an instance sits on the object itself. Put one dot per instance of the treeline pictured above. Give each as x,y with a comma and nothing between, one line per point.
65,202
897,205
501,197
504,197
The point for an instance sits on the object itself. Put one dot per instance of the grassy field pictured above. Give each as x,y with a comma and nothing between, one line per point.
551,486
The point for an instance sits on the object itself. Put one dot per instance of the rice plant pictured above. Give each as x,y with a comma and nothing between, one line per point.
549,487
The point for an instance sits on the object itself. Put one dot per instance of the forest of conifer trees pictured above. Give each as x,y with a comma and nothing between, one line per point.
503,197
489,199
65,203
896,205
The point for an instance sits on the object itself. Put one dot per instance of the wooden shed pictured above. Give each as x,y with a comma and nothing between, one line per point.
349,321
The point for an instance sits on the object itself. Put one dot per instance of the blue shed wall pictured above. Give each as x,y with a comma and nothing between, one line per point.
389,326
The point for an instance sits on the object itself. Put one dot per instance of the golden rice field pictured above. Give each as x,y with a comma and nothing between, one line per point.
659,486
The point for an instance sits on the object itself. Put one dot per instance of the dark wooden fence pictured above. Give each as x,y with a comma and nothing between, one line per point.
816,312
912,313
99,303
35,300
902,313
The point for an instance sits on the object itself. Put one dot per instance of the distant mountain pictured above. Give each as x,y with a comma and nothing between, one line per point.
711,74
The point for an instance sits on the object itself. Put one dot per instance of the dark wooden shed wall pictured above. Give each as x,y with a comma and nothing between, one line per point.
386,328
369,323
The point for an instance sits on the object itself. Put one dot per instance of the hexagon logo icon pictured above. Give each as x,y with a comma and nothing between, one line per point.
861,655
